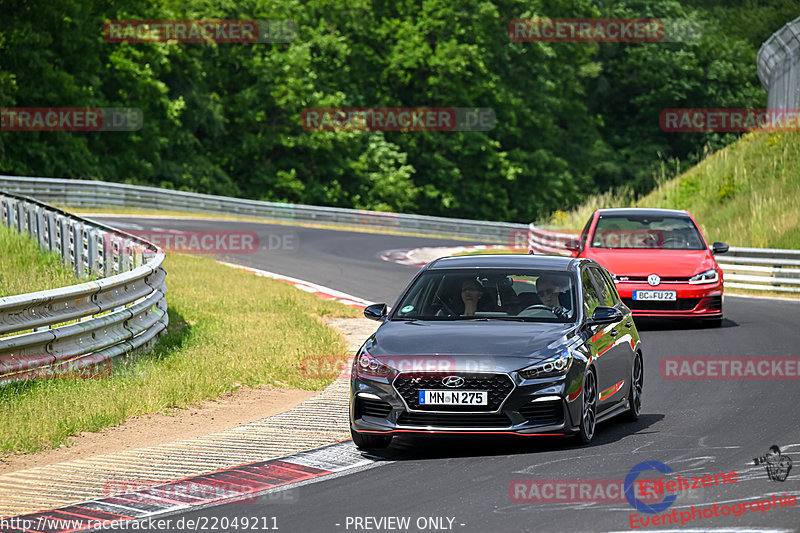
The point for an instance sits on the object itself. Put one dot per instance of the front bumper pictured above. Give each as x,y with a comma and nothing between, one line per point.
535,407
693,301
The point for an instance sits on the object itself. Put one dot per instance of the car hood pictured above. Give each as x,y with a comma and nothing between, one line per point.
665,263
468,345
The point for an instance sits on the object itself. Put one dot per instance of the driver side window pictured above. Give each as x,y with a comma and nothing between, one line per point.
591,298
608,295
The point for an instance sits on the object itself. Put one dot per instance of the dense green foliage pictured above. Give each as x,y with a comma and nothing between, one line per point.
572,118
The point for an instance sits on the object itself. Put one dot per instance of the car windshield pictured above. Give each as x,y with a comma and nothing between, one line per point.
490,294
653,232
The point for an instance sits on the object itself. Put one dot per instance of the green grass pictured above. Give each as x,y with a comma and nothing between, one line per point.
25,268
227,329
747,194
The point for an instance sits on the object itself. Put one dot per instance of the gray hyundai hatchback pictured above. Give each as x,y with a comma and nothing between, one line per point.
498,345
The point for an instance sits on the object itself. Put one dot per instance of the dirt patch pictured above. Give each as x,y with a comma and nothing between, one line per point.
354,330
227,412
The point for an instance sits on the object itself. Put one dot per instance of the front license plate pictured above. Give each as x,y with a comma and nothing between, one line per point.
668,296
453,397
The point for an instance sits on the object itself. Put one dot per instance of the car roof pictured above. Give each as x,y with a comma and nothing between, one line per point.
643,211
547,262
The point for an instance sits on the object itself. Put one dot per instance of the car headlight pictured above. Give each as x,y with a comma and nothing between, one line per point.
369,366
709,276
558,365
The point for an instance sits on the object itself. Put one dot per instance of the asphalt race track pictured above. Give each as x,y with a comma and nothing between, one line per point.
695,427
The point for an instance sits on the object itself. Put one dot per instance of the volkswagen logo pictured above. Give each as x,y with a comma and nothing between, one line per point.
453,381
653,279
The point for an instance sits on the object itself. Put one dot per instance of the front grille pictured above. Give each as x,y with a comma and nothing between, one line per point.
498,386
643,279
455,420
681,304
368,407
549,412
714,302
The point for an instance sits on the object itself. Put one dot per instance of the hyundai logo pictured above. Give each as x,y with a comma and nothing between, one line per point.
653,279
453,381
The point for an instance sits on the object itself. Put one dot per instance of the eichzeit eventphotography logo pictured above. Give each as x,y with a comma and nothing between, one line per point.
201,31
397,119
79,119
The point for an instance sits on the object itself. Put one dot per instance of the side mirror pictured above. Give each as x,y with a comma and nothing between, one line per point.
605,315
719,248
376,312
573,245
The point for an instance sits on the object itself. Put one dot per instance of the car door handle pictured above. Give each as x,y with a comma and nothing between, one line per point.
613,333
628,324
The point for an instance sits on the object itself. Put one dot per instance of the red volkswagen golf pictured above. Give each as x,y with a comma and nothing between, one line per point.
659,259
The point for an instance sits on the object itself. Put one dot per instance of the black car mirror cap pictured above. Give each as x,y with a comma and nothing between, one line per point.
605,315
719,247
573,245
376,312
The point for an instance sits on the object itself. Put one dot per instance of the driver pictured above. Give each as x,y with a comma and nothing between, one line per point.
471,294
548,290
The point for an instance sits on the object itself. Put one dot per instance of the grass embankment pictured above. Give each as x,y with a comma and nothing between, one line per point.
747,194
227,329
25,268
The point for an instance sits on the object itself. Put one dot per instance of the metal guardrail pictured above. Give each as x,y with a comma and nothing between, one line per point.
121,312
776,272
83,193
761,269
765,269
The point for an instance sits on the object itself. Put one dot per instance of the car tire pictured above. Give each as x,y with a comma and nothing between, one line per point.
588,422
368,442
635,392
